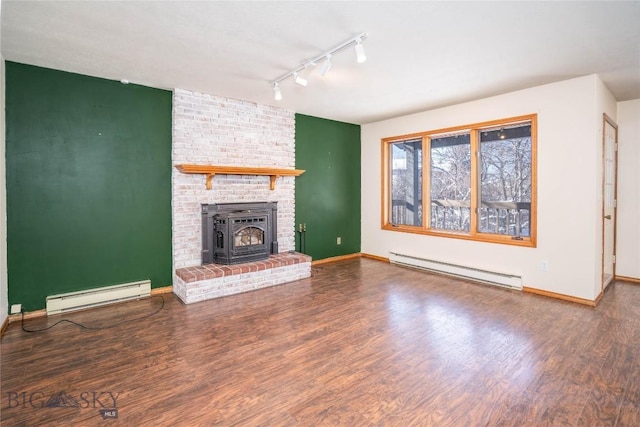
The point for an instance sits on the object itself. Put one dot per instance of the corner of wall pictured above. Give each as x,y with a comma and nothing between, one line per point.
4,300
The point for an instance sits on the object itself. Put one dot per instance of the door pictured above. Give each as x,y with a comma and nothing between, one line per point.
609,202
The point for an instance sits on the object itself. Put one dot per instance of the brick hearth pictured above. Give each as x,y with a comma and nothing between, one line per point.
193,284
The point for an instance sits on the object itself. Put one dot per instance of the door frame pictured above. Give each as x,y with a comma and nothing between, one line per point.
606,120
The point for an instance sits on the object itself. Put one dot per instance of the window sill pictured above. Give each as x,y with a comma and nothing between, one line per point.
487,238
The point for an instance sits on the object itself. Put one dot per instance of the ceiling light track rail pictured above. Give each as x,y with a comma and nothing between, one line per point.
326,65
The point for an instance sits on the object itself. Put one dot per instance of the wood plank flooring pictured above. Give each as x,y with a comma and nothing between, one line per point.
360,343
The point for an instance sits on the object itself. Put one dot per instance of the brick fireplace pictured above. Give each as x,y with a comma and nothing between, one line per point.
211,130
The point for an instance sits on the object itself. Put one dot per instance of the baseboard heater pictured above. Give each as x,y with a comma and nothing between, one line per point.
485,276
80,300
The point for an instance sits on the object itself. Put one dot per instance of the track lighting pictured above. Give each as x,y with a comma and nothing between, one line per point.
326,66
360,55
326,63
299,79
276,92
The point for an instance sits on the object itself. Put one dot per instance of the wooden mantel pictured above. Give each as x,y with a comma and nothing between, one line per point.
211,171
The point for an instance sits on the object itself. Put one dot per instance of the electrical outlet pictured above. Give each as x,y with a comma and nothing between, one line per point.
544,265
339,240
16,308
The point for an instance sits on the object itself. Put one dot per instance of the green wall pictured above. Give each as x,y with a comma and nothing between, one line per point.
88,183
328,193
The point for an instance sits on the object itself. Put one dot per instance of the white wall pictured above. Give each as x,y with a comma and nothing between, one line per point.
628,233
568,184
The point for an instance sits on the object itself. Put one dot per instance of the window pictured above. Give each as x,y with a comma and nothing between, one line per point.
475,182
406,182
450,182
505,180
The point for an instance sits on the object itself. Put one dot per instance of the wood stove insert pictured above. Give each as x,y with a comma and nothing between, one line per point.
234,233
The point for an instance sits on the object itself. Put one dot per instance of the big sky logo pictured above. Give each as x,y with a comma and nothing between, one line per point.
86,399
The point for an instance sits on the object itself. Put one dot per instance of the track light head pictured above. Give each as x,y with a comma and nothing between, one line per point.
326,66
276,92
360,55
299,79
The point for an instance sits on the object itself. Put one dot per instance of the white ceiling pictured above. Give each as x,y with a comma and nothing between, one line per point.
421,55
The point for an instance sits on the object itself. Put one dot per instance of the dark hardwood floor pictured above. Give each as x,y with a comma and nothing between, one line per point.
360,343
